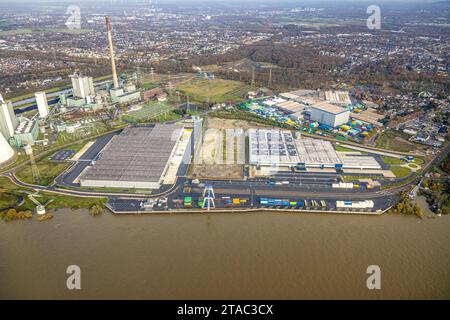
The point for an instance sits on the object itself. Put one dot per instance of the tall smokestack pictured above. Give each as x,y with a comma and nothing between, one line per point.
111,53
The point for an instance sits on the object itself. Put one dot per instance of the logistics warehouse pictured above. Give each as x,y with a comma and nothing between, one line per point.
269,147
140,158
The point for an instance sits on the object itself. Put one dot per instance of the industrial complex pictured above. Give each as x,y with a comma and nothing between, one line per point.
180,164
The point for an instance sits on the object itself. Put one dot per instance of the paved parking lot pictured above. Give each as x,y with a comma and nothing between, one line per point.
62,155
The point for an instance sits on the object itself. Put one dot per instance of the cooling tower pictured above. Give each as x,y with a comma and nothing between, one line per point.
6,152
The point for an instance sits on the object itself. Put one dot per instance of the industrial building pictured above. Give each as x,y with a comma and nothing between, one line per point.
137,158
26,133
42,104
340,98
270,147
315,153
126,94
329,114
84,95
369,116
83,86
8,120
359,162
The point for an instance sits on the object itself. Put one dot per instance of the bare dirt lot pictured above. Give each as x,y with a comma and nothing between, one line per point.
219,161
218,171
217,123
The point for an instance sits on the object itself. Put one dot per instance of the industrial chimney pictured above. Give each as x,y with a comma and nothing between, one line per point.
111,53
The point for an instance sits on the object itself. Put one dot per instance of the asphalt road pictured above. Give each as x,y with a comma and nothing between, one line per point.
67,178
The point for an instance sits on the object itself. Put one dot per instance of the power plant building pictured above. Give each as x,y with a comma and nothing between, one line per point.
42,104
125,95
137,158
83,86
26,133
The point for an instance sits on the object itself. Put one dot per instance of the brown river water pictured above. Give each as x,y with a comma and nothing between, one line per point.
225,256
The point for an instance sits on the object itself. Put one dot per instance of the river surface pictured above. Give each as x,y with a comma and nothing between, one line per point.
225,256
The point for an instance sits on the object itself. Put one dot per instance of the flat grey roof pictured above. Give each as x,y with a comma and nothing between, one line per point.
314,151
269,146
137,154
330,108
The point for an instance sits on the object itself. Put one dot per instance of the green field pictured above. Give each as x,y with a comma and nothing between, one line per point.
400,172
389,160
356,178
152,111
48,171
214,91
343,149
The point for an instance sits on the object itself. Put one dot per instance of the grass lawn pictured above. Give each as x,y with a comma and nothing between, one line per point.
356,178
153,111
343,149
48,171
9,194
400,172
214,91
389,160
418,161
7,200
413,166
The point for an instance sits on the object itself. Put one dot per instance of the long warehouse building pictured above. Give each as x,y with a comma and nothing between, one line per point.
137,158
271,147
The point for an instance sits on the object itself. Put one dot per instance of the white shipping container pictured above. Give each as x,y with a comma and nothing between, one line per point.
343,185
355,204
